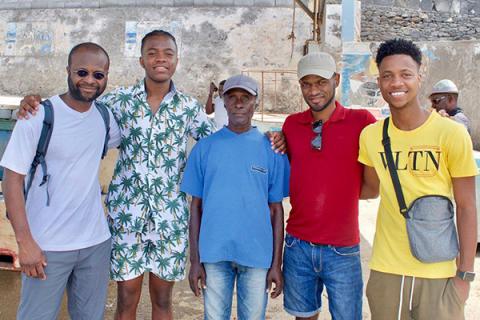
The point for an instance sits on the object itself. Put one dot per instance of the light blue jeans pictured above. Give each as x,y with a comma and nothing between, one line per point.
251,291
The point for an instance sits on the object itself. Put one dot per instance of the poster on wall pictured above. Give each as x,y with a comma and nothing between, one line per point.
130,38
358,82
135,31
29,39
10,39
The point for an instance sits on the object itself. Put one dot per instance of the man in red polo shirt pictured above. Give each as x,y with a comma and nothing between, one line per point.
322,241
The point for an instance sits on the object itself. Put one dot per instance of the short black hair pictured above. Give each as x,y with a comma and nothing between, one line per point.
158,32
87,45
398,46
222,82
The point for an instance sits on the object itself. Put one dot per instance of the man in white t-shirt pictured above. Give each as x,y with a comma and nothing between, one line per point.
216,105
61,230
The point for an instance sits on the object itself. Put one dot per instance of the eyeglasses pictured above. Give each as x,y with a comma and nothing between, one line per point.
437,100
317,129
84,73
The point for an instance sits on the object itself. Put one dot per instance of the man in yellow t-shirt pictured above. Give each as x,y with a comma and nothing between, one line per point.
433,156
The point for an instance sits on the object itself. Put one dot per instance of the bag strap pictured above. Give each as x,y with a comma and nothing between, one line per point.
393,170
106,119
42,148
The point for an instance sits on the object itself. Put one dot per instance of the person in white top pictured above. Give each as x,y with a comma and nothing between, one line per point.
216,105
64,243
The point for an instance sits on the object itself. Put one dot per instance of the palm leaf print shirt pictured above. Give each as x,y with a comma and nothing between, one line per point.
145,184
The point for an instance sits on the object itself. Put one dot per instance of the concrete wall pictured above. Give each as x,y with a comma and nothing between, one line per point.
49,4
213,44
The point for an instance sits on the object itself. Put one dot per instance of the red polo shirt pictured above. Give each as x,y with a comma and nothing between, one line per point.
325,184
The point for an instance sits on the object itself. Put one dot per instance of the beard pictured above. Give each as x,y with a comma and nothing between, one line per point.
77,94
324,106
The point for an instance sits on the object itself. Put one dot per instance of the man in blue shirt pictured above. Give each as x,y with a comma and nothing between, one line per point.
237,185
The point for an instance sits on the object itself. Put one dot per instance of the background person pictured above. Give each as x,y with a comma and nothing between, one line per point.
217,105
444,98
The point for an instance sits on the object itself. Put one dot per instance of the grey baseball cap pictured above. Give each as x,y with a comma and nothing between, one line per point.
241,81
317,63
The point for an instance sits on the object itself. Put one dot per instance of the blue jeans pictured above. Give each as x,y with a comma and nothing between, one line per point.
307,268
251,291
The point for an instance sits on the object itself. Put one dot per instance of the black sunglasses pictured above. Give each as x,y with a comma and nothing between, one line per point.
84,73
317,129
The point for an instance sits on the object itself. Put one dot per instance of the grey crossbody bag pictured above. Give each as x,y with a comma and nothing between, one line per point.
432,234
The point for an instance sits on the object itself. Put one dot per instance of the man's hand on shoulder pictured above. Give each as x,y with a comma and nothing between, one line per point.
28,105
443,113
278,141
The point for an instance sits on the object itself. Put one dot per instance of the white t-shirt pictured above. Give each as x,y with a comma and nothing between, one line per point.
221,116
75,218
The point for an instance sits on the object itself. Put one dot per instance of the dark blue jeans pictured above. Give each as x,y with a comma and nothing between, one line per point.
307,268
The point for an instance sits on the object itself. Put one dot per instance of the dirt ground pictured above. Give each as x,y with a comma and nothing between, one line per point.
188,307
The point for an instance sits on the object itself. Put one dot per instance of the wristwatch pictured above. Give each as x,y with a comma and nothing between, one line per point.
466,275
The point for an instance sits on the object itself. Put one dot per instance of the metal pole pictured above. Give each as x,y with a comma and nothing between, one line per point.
275,92
315,20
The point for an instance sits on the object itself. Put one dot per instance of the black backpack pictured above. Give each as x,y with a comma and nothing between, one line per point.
44,140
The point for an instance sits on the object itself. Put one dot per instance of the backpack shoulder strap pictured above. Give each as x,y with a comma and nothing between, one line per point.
42,148
102,108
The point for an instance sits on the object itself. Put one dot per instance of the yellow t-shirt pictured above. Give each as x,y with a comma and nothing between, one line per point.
426,159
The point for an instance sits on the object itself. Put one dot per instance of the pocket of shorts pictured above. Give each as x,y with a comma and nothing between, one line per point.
290,241
347,251
370,283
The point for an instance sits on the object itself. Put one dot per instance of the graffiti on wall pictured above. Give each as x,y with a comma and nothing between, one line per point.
359,77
